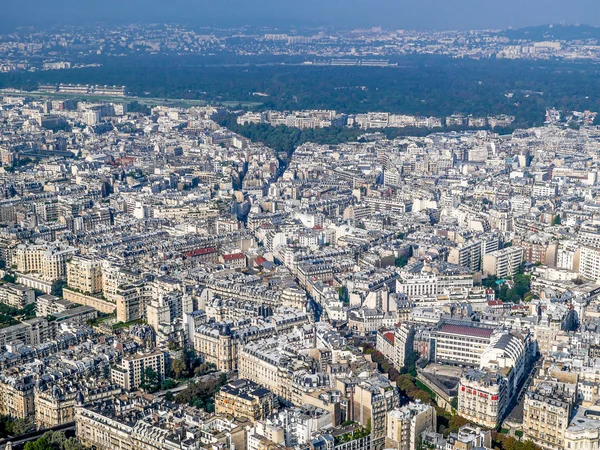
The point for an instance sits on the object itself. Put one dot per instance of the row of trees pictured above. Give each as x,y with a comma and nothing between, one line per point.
54,440
286,139
9,426
8,314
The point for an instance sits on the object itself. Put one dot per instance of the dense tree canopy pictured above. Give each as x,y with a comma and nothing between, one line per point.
54,440
420,85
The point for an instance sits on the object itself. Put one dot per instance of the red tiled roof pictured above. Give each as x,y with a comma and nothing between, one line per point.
200,251
495,302
260,260
389,336
465,330
233,256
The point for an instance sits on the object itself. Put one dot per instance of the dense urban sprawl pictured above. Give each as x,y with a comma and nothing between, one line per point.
171,284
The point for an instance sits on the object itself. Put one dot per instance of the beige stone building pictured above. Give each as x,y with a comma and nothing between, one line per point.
265,365
244,398
503,263
131,301
17,397
584,430
219,343
97,303
85,275
405,425
369,402
49,261
56,406
547,411
142,423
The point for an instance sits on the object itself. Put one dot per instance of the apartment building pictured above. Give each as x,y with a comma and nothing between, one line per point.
589,263
48,261
56,406
584,430
165,309
138,423
220,342
429,284
483,397
244,398
470,254
385,343
405,425
403,343
16,295
29,332
131,300
85,275
538,249
17,397
547,411
545,190
371,400
130,373
47,305
503,263
264,364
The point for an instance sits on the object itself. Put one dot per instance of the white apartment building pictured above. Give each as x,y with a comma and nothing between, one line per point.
461,343
482,397
428,284
545,190
503,263
403,343
16,295
568,256
589,263
131,371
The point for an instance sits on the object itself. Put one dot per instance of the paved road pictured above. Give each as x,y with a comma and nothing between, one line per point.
516,405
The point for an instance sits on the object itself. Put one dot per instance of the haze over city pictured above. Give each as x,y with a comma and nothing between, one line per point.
404,14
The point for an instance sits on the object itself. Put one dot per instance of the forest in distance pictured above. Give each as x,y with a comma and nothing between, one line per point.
420,85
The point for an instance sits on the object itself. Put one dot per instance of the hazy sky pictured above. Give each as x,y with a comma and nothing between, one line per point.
418,14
